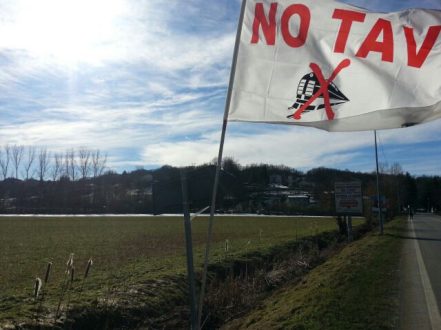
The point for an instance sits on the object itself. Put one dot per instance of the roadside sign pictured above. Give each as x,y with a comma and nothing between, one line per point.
348,198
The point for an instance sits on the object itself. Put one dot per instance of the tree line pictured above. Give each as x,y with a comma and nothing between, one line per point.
35,180
30,162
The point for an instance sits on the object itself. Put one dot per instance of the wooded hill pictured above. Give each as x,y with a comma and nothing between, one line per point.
255,188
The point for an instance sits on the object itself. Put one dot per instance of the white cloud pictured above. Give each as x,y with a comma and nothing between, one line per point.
394,5
297,147
150,79
109,30
420,133
109,128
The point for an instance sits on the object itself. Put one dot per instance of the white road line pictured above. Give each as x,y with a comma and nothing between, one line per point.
432,306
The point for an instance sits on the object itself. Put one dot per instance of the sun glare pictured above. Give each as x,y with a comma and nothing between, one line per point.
70,31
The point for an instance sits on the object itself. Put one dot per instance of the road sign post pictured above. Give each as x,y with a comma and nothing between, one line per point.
348,202
189,252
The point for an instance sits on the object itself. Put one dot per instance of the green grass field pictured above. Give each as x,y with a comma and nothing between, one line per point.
357,288
125,250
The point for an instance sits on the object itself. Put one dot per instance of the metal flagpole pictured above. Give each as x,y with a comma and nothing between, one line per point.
189,252
378,186
219,162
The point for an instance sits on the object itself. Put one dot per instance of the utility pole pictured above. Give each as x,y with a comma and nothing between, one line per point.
189,252
380,219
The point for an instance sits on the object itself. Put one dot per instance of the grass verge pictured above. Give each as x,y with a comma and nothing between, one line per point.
355,289
139,263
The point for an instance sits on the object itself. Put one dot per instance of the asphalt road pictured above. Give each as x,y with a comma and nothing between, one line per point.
421,274
427,228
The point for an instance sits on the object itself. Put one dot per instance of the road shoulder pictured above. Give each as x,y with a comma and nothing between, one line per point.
413,307
418,308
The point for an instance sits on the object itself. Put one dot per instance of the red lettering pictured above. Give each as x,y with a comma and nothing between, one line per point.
347,18
386,47
417,58
305,20
268,28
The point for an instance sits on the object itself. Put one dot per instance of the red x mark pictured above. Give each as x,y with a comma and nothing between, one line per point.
324,84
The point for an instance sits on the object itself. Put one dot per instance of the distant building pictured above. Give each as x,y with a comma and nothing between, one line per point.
275,179
299,200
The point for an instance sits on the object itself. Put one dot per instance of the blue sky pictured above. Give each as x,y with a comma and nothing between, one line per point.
145,81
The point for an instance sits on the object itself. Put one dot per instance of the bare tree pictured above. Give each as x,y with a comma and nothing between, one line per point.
71,164
1,161
57,166
43,163
383,167
396,169
84,161
66,165
4,161
29,161
17,155
98,163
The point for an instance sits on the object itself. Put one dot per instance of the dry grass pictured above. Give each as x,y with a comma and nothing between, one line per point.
355,289
125,251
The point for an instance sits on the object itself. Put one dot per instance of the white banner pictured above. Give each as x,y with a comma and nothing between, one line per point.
336,67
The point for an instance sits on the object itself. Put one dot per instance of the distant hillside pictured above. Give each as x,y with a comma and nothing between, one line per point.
255,188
